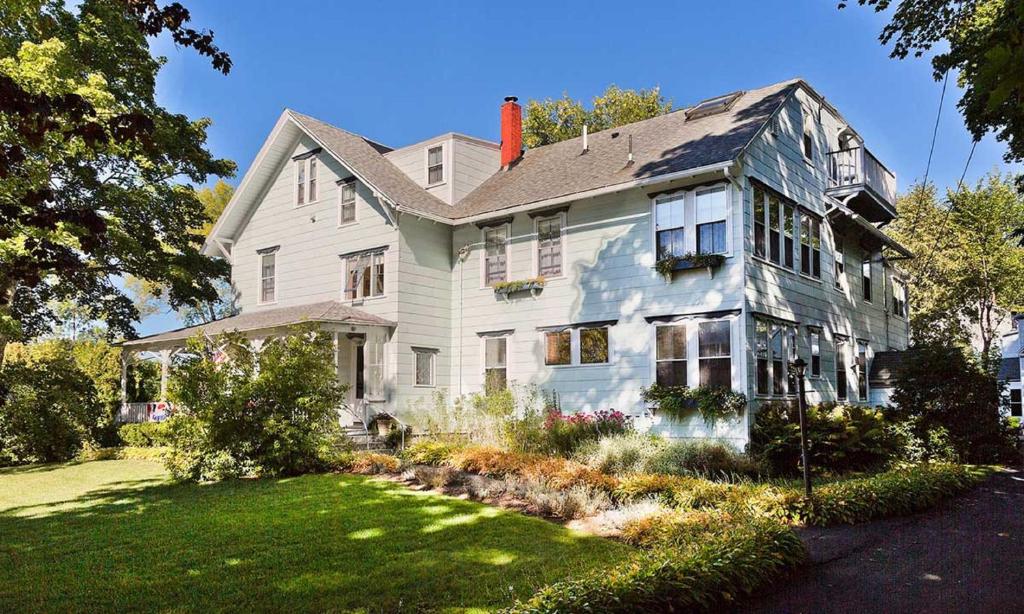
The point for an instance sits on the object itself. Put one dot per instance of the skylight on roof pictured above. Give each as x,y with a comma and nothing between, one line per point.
711,106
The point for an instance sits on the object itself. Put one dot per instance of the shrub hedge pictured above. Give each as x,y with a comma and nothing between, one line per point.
904,490
145,434
704,575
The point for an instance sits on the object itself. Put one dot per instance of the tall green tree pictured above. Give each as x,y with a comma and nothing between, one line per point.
969,273
94,173
550,121
983,42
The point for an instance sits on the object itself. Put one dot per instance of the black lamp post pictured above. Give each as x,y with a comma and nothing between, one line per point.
799,366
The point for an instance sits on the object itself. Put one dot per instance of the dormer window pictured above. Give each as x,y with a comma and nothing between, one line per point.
306,168
435,165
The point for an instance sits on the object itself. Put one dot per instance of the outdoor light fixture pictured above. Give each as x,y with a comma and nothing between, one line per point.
799,367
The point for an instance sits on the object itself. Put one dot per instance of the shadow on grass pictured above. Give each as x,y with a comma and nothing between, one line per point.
324,542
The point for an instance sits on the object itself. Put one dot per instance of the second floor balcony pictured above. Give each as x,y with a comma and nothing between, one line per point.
857,178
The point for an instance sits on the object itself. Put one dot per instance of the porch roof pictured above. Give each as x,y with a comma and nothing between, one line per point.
326,311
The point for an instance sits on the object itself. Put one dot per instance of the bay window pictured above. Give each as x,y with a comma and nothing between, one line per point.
669,223
775,227
495,254
774,347
711,211
670,355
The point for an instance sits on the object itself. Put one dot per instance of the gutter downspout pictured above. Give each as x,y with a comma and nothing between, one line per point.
462,256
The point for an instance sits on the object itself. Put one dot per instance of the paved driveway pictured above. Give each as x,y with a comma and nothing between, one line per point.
965,556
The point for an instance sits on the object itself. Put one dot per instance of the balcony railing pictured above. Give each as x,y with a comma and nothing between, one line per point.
857,167
154,411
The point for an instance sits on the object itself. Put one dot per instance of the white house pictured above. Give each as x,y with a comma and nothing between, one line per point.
1010,366
403,254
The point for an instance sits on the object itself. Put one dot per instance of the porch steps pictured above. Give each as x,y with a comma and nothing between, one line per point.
362,440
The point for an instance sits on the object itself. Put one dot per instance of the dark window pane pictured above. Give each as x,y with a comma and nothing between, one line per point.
713,338
671,342
762,376
559,348
711,238
774,246
671,373
716,372
759,240
593,345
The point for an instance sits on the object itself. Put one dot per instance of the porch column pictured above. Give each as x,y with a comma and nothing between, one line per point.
125,357
165,364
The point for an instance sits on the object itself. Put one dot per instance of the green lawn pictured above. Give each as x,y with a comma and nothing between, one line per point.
115,536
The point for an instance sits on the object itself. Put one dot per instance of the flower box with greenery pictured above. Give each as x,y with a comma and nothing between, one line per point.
668,264
712,402
505,288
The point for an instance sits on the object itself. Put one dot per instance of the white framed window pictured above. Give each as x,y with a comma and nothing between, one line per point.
435,165
774,229
550,245
364,276
865,277
670,355
373,367
839,263
899,298
495,254
578,345
815,342
714,351
862,370
774,348
347,202
810,246
268,276
424,364
842,386
760,218
495,363
306,171
712,211
792,385
669,224
807,143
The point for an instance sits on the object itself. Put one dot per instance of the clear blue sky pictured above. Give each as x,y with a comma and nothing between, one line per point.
401,72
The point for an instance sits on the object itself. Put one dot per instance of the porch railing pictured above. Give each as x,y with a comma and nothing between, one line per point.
857,166
153,411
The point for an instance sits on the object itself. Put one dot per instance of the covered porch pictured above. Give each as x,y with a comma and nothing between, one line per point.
360,341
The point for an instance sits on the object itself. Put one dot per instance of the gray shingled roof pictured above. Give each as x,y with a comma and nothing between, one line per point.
364,158
326,311
661,145
885,367
1009,370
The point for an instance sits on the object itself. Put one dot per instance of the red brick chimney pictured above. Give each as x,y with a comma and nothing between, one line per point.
511,131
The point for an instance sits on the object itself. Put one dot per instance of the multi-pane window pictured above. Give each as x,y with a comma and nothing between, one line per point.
761,353
839,267
583,345
268,277
712,209
899,298
495,363
373,366
771,341
778,359
549,246
810,246
669,225
435,165
841,385
1015,402
862,370
305,180
558,347
364,276
865,277
774,229
714,354
792,385
759,220
495,254
347,203
815,338
670,355
424,363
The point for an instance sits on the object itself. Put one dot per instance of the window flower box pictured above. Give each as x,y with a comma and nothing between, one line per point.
668,265
507,288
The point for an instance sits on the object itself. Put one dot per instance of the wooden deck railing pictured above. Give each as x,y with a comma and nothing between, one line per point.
857,166
153,411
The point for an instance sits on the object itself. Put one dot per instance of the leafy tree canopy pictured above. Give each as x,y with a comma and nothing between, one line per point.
550,121
982,41
969,271
93,171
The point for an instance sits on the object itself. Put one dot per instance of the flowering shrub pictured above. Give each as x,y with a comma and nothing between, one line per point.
566,433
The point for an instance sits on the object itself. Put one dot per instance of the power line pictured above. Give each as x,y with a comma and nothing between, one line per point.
952,205
931,148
